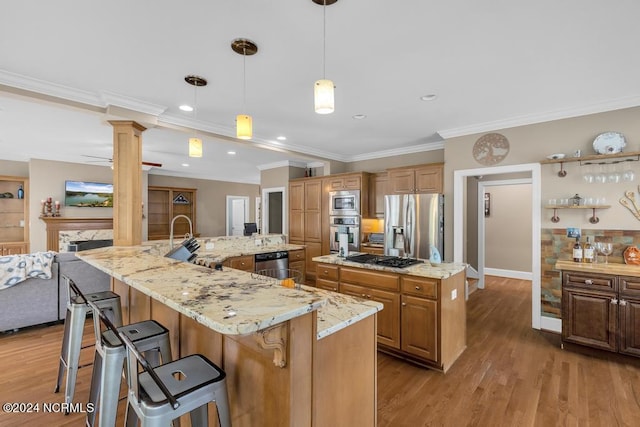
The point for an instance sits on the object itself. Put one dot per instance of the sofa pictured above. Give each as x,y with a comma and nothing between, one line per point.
36,301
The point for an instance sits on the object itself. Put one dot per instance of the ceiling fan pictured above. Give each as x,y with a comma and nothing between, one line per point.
110,160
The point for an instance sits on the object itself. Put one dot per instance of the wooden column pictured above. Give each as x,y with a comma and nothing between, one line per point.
127,183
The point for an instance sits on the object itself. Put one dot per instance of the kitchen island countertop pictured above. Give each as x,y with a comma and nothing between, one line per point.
426,269
230,301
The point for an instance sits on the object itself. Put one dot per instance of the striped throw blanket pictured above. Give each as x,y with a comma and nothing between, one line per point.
18,268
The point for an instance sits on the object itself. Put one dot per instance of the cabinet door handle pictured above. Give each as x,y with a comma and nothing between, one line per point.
364,296
418,288
614,301
588,282
369,296
335,289
623,302
404,304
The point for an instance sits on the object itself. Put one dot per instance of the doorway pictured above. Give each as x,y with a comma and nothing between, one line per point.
503,244
459,208
237,215
273,208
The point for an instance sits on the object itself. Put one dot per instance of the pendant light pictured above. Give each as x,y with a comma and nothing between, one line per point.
244,122
323,89
195,143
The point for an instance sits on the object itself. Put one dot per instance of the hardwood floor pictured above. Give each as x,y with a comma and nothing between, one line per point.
510,375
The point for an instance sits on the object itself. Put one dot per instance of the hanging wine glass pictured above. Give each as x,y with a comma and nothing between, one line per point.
601,176
588,175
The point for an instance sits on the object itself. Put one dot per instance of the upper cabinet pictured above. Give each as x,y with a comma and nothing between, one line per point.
378,188
164,204
417,179
14,215
348,182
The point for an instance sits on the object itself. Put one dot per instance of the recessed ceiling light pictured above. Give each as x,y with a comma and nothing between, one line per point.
359,116
281,138
185,165
187,108
429,97
231,153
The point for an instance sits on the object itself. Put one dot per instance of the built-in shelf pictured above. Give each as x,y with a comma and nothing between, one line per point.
593,220
594,159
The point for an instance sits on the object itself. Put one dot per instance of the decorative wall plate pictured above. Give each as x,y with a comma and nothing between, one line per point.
491,149
609,143
631,255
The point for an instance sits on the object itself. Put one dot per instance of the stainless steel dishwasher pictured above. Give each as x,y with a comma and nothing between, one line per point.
276,264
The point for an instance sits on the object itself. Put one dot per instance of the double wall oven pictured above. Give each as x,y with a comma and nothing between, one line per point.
344,218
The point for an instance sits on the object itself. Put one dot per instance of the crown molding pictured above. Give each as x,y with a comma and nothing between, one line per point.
282,164
430,146
51,89
118,100
600,107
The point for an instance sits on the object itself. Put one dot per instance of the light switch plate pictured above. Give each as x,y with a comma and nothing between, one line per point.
208,246
454,294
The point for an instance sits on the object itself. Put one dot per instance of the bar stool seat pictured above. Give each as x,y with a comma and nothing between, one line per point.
149,336
193,381
77,310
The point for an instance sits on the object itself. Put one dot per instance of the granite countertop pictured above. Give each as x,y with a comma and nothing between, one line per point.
213,256
426,269
231,301
600,267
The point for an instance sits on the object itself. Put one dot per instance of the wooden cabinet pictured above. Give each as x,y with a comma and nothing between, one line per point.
297,262
601,311
378,188
350,182
371,250
305,220
244,262
14,215
420,327
423,320
417,179
164,204
629,321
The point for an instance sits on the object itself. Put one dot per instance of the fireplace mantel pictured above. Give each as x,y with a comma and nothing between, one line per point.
56,224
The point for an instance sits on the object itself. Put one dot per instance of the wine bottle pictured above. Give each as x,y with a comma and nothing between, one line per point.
577,251
20,192
587,251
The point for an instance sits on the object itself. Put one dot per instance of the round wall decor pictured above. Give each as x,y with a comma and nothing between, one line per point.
491,149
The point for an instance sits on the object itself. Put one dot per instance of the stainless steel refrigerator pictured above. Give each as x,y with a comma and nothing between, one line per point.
414,226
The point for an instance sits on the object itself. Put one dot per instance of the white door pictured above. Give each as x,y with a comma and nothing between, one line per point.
237,214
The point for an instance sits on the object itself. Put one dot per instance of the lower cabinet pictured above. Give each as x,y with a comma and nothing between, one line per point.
601,311
388,318
244,263
423,319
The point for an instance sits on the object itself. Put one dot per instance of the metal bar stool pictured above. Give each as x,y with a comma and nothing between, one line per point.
151,338
77,310
159,395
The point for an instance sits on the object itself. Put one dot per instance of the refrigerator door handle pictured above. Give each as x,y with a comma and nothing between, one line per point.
408,229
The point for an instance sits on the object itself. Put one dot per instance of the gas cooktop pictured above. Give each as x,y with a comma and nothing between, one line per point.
386,261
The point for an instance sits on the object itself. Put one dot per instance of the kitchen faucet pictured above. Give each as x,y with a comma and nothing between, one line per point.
171,232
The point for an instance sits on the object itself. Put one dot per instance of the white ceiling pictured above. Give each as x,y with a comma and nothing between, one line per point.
492,64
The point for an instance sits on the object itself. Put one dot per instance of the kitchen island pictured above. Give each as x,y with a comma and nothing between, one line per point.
424,315
293,357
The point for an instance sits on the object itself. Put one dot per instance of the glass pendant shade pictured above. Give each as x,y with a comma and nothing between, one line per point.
244,126
323,96
195,147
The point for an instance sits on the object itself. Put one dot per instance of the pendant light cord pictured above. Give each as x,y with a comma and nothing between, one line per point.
244,79
324,39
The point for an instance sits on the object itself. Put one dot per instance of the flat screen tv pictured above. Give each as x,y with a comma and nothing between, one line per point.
88,194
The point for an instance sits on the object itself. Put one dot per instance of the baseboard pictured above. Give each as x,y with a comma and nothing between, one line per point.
551,324
512,274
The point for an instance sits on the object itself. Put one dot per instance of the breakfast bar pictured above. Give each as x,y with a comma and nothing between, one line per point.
293,357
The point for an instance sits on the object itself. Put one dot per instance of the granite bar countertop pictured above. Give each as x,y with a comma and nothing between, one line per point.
213,256
425,269
231,301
